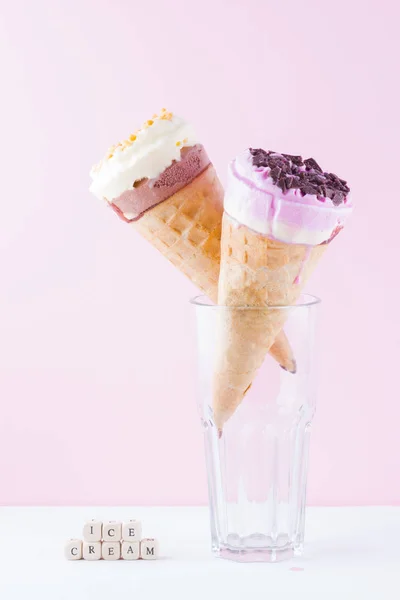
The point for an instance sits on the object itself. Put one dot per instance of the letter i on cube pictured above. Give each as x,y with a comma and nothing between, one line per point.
92,531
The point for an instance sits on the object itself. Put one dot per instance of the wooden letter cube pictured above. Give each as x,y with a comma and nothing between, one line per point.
73,550
92,531
149,549
131,531
112,531
111,550
130,550
92,550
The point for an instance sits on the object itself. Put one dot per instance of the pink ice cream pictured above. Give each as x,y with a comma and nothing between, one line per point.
146,193
286,198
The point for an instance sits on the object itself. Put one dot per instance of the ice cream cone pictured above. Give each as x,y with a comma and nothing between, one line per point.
260,271
178,207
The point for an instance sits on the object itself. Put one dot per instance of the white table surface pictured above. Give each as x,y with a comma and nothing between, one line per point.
351,553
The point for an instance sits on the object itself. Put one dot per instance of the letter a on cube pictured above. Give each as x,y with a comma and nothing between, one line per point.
130,550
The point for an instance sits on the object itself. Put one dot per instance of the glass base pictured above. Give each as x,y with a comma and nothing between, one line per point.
259,553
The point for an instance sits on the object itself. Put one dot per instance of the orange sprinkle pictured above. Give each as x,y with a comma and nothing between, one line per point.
166,116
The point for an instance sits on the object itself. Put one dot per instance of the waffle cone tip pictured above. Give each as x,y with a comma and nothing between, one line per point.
291,367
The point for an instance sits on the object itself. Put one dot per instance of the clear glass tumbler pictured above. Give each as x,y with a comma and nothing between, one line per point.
257,468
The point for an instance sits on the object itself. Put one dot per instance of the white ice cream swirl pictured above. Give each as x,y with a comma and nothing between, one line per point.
145,154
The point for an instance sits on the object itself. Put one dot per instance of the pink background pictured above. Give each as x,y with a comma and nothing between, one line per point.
96,351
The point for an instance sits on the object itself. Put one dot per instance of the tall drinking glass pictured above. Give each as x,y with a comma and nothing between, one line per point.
257,468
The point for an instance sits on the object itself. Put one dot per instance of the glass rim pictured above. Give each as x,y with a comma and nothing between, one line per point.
308,300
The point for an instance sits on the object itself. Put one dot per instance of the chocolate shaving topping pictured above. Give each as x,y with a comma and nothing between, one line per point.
288,182
290,171
282,184
295,182
308,188
312,164
296,160
337,198
275,173
318,178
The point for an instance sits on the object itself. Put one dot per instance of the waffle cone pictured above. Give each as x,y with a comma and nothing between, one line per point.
255,272
186,229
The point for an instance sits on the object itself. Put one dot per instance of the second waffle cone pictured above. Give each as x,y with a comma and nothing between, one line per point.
256,271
